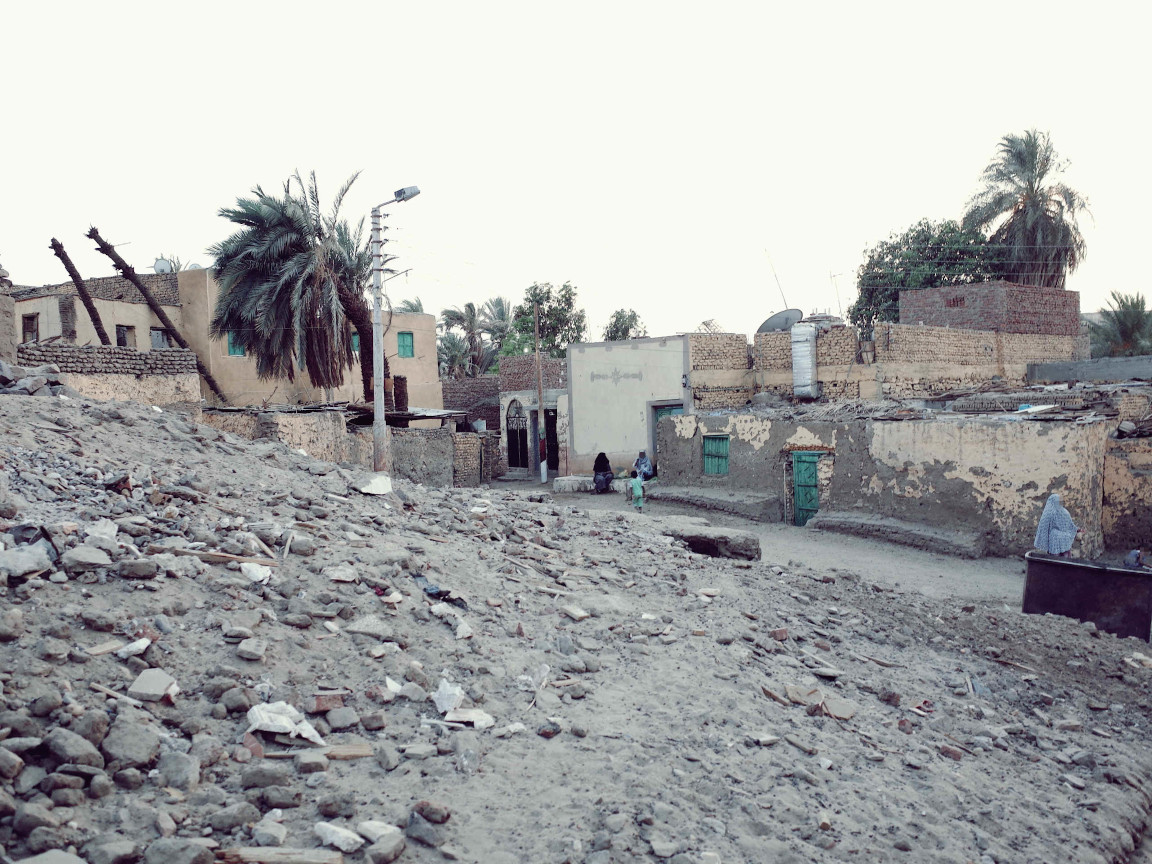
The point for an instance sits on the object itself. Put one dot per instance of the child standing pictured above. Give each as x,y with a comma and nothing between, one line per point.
637,484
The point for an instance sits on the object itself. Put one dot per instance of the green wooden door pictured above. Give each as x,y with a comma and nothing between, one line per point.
805,485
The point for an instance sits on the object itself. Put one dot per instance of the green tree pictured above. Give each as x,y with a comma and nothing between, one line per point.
1029,212
496,320
561,323
415,306
452,355
624,324
292,278
926,255
1126,328
467,321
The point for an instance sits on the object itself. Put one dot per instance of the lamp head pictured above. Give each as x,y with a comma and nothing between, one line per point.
407,192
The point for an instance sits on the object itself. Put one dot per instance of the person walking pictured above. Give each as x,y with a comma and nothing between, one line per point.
637,484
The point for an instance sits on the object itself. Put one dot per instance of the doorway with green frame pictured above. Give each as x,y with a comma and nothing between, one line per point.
805,485
659,412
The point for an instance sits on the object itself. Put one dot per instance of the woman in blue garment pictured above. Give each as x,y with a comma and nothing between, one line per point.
643,466
1056,532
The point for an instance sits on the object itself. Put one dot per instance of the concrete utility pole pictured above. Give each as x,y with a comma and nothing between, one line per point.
381,451
540,397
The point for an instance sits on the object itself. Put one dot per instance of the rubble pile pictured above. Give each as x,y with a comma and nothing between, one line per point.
214,648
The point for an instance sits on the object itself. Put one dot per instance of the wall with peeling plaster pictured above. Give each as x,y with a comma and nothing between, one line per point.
977,475
1127,502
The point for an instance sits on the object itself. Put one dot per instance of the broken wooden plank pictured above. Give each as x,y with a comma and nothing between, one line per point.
107,691
216,557
105,648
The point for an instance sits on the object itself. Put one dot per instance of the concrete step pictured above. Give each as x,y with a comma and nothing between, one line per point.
964,544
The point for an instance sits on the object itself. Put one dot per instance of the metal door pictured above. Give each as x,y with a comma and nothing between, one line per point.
517,427
805,485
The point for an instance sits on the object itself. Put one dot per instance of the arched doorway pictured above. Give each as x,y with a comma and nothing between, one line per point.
516,424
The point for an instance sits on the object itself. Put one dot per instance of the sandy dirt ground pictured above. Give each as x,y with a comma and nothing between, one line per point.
500,676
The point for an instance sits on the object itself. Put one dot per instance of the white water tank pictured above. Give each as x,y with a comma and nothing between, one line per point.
804,385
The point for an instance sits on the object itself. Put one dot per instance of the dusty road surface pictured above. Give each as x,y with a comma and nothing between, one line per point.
901,567
212,647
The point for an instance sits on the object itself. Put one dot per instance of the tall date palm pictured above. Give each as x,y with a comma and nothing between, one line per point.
1030,214
292,279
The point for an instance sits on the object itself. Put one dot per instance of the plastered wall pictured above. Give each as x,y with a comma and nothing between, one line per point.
980,475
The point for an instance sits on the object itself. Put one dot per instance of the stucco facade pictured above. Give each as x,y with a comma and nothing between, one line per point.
615,389
985,476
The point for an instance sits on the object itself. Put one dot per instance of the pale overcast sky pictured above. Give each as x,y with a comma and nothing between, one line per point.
656,154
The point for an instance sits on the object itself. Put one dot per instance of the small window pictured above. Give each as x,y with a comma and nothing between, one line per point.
404,345
159,337
715,454
234,350
30,331
125,336
356,342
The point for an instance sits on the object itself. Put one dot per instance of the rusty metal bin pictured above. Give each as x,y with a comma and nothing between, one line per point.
1115,599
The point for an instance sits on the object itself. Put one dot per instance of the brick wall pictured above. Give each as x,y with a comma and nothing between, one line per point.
108,359
836,347
519,373
716,398
163,286
479,397
999,306
772,351
466,459
908,343
717,351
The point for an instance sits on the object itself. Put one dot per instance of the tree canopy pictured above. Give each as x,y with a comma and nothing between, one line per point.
291,278
924,256
1029,213
624,324
1126,328
561,323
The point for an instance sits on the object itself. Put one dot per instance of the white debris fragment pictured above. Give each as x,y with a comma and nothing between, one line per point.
280,718
448,696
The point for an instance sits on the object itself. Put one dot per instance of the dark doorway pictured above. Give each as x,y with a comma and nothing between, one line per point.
517,426
550,439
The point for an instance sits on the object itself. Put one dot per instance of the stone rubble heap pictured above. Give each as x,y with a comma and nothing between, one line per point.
213,648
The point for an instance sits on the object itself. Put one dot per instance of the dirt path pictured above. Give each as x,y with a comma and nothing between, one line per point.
938,576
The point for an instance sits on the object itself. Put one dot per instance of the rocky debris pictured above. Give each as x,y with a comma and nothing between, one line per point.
209,642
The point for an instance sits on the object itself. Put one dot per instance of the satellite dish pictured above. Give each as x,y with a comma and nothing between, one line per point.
193,267
781,321
162,265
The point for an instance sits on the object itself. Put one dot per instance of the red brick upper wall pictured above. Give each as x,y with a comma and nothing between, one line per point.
519,373
999,306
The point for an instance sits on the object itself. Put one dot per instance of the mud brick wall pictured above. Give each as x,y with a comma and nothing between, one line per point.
772,351
836,347
910,343
519,373
717,398
163,286
999,306
479,397
466,458
1133,405
493,464
7,329
839,389
108,359
718,351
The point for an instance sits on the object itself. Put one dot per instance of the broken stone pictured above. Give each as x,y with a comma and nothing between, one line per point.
82,559
152,685
340,838
70,748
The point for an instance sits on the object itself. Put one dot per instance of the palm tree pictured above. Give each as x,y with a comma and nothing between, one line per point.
453,355
467,320
1031,215
415,306
1126,328
496,320
291,279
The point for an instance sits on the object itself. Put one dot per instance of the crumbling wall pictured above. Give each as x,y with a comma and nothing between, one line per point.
1127,517
145,389
974,475
466,459
836,347
8,337
160,377
423,456
479,397
1134,404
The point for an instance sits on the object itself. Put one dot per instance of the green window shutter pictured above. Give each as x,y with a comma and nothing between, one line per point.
404,345
234,350
715,454
356,342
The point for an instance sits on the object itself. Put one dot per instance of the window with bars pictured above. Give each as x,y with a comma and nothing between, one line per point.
404,345
234,350
715,454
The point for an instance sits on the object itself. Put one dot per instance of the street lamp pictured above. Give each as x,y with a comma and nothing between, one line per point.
380,454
